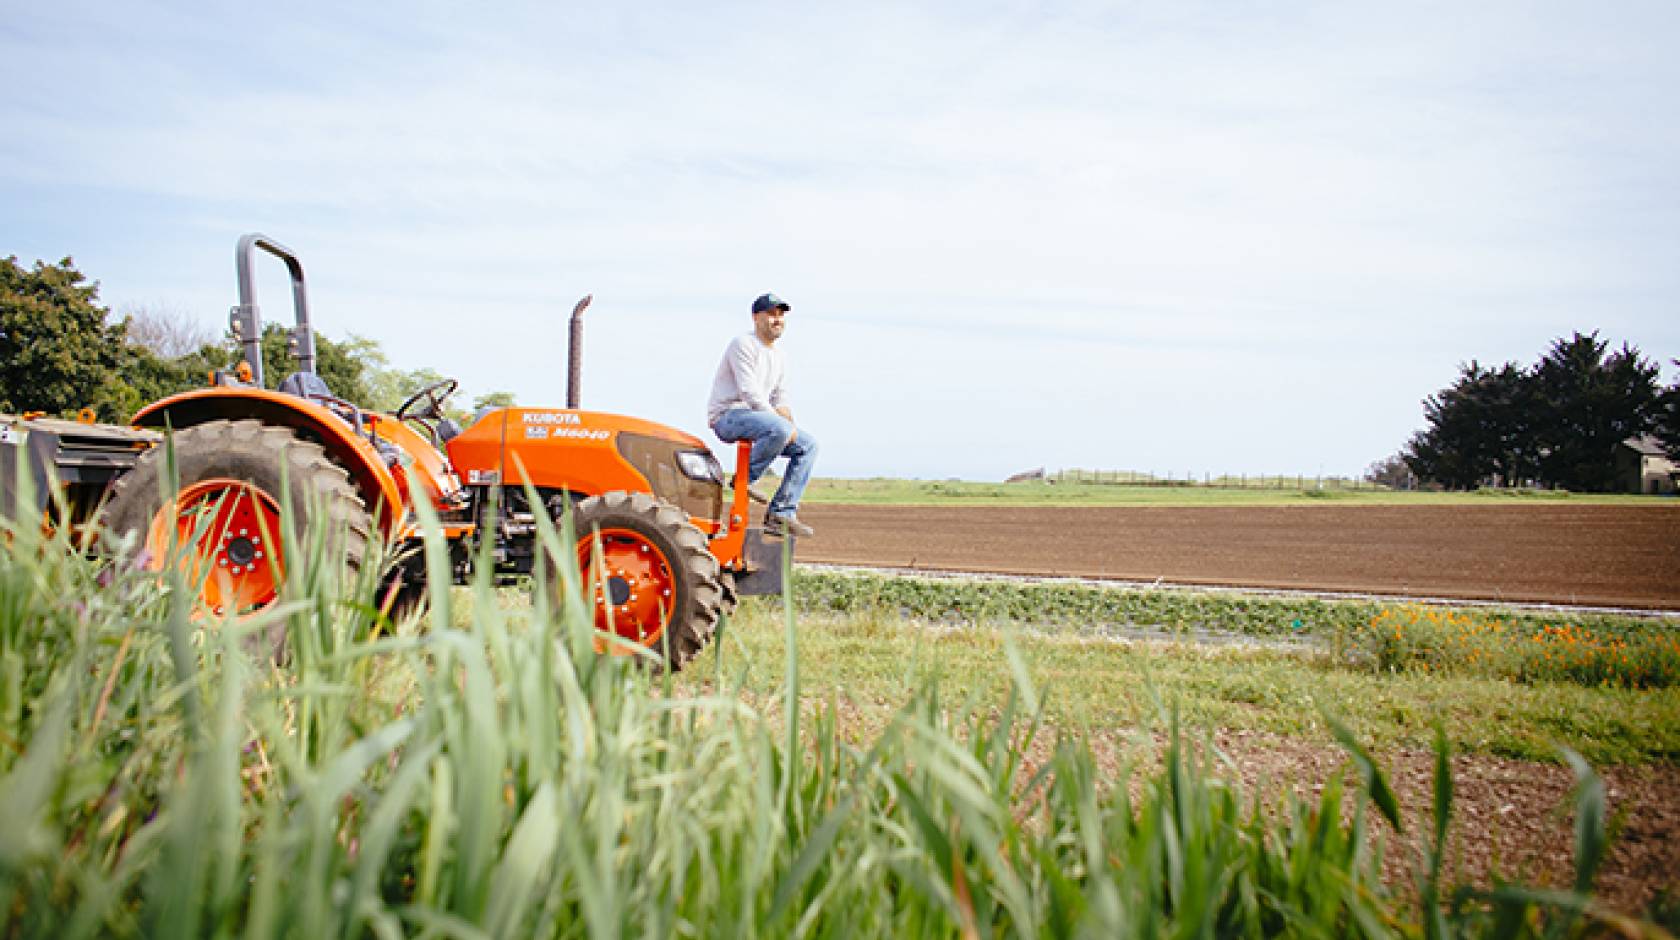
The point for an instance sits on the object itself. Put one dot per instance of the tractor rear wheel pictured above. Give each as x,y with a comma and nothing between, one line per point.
653,582
233,477
731,595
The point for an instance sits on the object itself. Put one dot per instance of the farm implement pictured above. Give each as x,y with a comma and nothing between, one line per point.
664,547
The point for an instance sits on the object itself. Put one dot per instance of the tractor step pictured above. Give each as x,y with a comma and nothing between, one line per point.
762,572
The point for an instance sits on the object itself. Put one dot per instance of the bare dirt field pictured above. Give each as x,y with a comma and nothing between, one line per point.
1593,555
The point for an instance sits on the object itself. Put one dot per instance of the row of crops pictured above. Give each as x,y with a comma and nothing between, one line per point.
1523,646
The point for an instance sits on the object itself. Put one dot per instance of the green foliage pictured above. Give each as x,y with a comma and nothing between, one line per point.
1667,427
1098,607
57,352
493,400
61,352
1591,401
1557,423
143,376
1478,430
1622,654
1594,650
492,776
386,387
338,364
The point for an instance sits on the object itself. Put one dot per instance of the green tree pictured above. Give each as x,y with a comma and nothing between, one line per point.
1588,403
1557,423
1392,472
340,365
150,376
1478,430
58,353
387,387
1667,423
493,400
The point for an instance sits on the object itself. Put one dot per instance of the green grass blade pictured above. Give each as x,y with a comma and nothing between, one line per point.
1375,781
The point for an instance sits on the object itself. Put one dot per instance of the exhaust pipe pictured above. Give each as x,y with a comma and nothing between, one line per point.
574,374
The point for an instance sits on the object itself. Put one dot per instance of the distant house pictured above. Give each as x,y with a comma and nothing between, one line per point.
1643,467
1028,476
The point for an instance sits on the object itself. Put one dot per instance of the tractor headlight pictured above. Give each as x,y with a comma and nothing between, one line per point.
677,471
700,465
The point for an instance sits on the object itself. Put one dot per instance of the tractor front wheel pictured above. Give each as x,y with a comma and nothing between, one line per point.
652,580
223,521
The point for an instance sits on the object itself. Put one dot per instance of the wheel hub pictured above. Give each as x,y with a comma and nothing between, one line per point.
241,550
633,586
217,530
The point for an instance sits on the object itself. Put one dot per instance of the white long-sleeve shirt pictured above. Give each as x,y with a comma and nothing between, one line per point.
750,376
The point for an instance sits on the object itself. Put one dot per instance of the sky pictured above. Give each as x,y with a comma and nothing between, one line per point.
1180,238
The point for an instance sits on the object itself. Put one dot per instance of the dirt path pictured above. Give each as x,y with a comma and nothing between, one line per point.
1610,556
1510,816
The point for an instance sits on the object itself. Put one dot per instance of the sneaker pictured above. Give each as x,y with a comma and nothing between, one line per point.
753,493
787,525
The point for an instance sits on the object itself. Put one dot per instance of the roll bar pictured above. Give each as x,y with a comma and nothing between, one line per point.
246,318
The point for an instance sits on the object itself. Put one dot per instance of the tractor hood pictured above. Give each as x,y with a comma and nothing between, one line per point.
588,453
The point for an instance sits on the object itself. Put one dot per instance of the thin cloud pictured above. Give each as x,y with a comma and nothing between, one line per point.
1245,239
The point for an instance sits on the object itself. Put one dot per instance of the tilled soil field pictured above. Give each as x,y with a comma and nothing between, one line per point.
1602,556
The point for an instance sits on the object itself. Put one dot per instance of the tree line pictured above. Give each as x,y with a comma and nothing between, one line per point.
1554,424
61,350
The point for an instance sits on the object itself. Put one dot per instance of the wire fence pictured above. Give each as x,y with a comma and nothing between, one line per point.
1299,481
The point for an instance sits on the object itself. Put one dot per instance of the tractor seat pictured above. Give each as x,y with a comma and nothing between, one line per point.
311,387
306,385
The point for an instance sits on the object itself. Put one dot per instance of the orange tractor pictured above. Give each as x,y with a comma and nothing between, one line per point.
673,549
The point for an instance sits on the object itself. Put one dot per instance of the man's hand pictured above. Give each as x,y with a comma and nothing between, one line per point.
787,413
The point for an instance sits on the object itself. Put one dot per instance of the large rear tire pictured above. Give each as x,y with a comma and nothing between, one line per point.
234,469
731,595
659,586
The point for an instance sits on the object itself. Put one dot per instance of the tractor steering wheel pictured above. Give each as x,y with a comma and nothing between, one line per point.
425,407
432,396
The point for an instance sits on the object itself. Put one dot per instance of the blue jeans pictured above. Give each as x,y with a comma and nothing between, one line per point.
770,434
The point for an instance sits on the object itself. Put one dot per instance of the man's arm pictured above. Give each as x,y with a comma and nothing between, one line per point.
779,404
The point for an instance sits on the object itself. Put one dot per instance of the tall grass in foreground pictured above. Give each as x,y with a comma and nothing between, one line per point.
471,774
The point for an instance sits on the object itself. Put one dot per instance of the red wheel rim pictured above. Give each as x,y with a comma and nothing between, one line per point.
633,589
228,532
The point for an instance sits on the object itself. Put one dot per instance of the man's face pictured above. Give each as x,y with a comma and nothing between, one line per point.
770,323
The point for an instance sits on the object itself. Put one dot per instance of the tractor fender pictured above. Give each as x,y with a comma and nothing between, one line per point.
350,450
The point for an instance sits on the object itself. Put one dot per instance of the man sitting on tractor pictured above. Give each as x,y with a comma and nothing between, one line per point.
749,403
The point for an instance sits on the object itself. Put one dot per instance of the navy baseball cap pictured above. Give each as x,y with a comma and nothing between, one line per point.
770,302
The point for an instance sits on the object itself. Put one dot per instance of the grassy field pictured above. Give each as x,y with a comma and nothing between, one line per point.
478,771
958,492
872,659
1527,646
